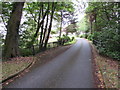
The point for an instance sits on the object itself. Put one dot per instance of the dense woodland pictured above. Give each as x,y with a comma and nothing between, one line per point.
29,25
103,21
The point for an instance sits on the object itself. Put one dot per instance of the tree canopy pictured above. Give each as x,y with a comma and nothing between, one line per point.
29,25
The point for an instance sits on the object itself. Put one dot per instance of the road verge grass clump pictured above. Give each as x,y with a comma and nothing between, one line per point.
71,42
66,40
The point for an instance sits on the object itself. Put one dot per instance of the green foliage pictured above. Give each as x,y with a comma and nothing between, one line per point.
71,28
63,39
107,42
6,9
90,37
5,12
105,33
53,32
82,25
72,41
82,36
67,6
26,52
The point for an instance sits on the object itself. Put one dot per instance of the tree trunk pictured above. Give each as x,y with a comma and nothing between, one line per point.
11,41
50,26
61,25
91,27
91,19
46,26
42,27
38,27
95,22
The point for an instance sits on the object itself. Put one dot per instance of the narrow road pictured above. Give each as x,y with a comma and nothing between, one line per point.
71,69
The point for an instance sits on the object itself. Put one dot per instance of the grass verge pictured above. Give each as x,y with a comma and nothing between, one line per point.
108,68
14,66
72,42
109,71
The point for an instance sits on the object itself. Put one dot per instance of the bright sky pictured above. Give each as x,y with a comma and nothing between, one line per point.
80,8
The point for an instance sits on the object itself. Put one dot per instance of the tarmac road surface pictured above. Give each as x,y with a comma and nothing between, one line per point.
71,69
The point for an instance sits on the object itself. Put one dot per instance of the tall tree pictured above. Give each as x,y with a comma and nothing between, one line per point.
12,36
50,25
39,25
45,30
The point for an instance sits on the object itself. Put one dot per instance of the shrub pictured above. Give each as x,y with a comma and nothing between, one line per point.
63,39
82,36
90,37
26,52
107,42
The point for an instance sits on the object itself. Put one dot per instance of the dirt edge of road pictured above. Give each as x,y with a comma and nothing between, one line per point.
98,78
